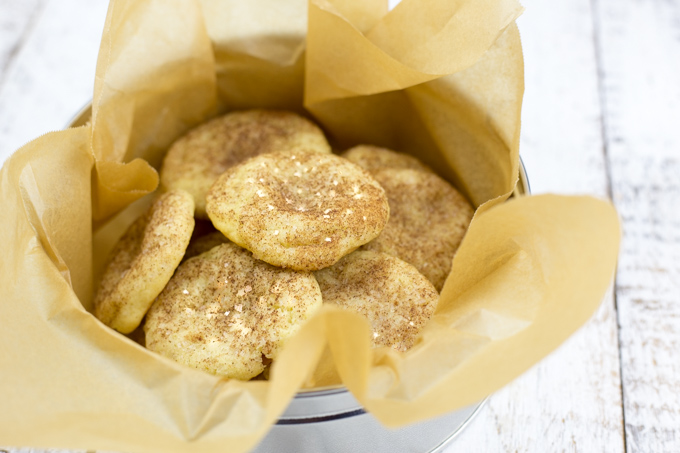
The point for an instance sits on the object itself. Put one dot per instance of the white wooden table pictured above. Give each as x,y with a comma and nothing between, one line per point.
601,117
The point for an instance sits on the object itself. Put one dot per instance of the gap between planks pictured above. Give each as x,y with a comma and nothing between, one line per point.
610,189
640,61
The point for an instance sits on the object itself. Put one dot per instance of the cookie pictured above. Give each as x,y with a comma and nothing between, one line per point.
374,158
194,162
428,219
299,210
143,260
227,313
396,299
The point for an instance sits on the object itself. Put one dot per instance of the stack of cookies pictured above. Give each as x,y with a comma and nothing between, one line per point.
290,226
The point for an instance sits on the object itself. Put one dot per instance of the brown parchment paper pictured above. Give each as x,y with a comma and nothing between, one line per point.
440,79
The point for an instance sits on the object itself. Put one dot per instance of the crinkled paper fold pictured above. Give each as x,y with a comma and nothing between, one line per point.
440,79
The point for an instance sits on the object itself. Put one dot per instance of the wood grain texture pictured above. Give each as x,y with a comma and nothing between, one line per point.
52,75
16,23
572,400
639,44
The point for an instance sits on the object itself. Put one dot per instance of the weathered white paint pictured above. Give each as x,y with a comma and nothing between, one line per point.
572,400
52,75
639,44
16,23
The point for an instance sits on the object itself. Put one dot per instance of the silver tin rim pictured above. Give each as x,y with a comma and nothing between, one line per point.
460,428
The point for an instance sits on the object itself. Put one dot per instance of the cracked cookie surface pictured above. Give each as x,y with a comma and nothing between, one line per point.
227,313
195,161
299,210
428,220
143,260
396,299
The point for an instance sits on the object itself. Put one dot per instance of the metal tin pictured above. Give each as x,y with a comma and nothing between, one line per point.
332,420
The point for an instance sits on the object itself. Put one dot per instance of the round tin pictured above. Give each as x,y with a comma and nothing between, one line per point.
332,420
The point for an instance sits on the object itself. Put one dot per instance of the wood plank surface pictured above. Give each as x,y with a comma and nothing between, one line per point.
570,402
52,75
17,19
639,45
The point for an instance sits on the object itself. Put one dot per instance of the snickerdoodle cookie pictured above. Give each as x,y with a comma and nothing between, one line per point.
428,219
373,158
194,161
299,210
396,299
143,260
227,313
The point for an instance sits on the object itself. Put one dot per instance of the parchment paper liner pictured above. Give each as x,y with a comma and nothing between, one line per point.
439,79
